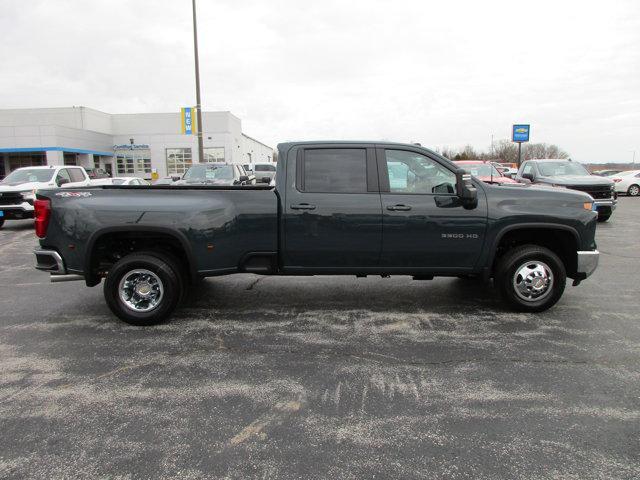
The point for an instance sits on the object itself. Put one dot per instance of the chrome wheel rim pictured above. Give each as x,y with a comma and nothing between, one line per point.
533,281
141,290
634,190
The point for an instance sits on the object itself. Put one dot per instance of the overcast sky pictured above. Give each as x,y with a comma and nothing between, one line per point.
444,73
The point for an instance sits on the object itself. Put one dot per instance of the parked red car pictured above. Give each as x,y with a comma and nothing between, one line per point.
485,171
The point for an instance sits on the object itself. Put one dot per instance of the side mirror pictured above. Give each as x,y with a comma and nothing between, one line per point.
62,181
466,190
175,178
243,178
265,180
528,176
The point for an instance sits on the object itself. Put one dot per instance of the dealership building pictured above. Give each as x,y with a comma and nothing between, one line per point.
139,144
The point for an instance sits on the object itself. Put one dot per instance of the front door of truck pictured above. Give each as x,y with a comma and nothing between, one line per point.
424,224
332,210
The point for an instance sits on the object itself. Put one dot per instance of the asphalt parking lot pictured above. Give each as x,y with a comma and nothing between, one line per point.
323,377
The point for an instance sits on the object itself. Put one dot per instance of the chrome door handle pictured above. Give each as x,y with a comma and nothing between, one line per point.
399,207
303,206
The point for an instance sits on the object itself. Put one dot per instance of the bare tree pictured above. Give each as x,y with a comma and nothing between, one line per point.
507,152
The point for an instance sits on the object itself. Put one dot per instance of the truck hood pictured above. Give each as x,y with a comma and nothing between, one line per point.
24,186
576,180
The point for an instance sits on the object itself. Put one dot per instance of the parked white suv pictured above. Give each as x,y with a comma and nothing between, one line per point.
17,190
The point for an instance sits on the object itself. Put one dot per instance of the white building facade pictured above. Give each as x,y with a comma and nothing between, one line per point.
122,144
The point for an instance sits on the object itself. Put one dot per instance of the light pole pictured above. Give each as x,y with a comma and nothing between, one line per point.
198,103
634,156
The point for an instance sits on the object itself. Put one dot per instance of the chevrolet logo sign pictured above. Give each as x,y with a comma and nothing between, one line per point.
521,130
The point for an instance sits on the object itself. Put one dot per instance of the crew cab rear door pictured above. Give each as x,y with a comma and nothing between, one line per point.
424,224
332,210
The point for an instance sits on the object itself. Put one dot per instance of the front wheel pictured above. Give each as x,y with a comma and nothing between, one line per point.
603,217
531,278
142,289
633,191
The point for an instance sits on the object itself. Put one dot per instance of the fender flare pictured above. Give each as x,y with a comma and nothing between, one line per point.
526,226
176,234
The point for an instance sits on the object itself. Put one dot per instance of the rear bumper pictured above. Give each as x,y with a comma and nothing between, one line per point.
587,263
50,261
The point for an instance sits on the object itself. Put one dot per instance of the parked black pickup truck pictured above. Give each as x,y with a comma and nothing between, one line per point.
338,208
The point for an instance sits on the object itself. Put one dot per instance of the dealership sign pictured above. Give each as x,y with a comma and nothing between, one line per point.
132,146
521,133
188,120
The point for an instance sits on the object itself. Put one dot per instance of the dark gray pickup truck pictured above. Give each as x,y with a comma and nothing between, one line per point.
338,208
572,175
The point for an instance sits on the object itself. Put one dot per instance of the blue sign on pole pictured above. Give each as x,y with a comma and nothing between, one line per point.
521,133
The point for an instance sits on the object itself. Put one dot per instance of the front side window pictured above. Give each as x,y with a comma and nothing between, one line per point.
178,160
527,169
335,170
411,172
214,155
63,174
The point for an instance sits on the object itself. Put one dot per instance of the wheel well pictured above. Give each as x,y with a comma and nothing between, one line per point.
111,247
561,242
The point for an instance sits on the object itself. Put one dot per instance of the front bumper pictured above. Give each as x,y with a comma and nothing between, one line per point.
17,211
587,263
610,203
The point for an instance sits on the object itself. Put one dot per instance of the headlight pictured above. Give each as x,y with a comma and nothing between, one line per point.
29,195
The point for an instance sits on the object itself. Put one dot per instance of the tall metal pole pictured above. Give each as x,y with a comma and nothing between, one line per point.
198,103
519,154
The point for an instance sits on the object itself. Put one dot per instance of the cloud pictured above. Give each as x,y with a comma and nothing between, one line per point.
446,73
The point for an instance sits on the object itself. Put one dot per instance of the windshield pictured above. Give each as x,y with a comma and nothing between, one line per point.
204,173
28,175
559,169
481,169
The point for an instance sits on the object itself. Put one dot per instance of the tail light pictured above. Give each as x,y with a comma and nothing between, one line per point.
42,213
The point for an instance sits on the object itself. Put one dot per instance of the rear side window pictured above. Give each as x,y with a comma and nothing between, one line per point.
76,175
335,170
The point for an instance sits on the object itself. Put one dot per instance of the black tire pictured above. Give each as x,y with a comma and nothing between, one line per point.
603,217
161,272
514,262
633,190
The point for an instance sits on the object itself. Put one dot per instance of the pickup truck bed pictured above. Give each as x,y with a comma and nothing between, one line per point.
337,208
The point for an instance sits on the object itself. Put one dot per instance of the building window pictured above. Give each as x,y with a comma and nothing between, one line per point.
178,160
70,158
214,154
133,162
